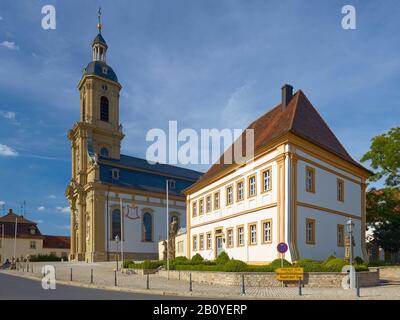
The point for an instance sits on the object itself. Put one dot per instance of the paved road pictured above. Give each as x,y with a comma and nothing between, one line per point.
25,289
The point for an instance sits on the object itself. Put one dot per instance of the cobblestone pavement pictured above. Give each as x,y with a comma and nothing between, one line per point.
104,277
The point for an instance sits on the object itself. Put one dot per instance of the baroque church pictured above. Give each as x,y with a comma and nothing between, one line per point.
116,201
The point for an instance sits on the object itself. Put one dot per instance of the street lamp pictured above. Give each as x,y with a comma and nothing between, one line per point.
350,230
117,241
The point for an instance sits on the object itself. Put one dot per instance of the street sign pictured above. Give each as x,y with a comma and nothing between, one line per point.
290,274
282,247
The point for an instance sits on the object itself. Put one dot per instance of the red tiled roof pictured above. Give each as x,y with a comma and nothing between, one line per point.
300,118
56,242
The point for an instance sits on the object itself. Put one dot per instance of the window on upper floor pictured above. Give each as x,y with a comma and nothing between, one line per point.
171,184
252,186
340,189
266,180
240,191
310,179
194,209
104,109
216,201
229,195
208,203
201,206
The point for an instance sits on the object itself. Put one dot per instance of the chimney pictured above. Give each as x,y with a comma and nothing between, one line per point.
287,93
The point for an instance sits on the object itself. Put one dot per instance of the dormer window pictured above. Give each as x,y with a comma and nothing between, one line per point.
171,184
32,231
115,174
104,70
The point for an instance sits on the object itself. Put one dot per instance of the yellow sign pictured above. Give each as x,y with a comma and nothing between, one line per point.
289,270
290,274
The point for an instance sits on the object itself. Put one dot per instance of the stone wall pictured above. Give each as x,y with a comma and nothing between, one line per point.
268,279
391,273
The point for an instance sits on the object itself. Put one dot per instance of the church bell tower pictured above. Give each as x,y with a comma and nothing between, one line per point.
97,135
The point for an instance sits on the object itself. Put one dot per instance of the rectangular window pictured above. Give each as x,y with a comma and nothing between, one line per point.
340,190
252,234
310,179
240,236
229,195
201,241
194,209
209,241
201,207
229,237
267,231
33,244
252,186
194,243
240,191
266,180
340,235
310,231
208,203
216,201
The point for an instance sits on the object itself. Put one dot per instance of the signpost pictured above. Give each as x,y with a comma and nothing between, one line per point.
282,248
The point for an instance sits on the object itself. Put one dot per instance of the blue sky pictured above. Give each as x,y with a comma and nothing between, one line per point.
206,64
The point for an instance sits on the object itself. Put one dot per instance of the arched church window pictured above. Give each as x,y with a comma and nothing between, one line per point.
104,152
147,227
116,223
104,109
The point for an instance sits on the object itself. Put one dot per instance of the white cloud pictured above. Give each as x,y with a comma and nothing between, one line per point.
8,114
1,18
63,209
6,151
64,227
41,208
52,196
9,45
40,221
2,203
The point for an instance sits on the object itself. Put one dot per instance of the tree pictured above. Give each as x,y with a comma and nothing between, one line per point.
383,216
384,155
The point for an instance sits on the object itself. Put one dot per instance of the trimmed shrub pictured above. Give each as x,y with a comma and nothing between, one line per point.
126,263
197,258
223,258
44,258
260,268
235,266
277,263
335,265
329,259
310,265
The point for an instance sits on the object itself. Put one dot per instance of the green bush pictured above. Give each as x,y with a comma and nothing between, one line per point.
147,264
260,268
277,263
126,263
310,265
361,267
329,259
197,258
44,258
358,260
235,266
335,265
223,258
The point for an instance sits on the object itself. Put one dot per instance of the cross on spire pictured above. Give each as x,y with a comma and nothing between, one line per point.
99,17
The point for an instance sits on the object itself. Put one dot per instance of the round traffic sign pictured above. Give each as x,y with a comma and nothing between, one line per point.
282,247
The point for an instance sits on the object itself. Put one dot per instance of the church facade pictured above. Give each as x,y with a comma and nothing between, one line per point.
116,201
